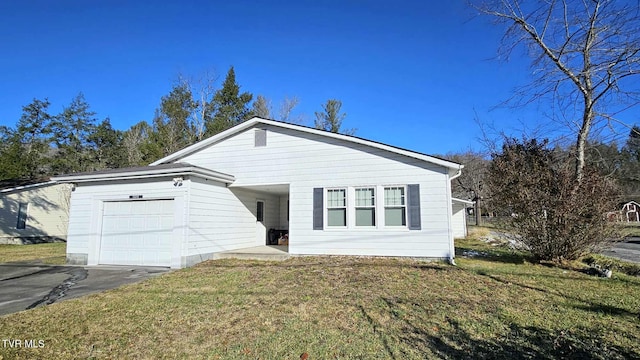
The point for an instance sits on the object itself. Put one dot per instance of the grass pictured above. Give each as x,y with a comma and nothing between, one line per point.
613,264
49,253
496,305
630,229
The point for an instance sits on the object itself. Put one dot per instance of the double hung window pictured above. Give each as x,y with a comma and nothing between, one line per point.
395,208
337,207
366,207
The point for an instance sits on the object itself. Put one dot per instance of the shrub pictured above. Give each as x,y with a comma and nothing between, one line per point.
555,217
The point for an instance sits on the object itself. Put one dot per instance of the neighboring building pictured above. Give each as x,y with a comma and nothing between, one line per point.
631,212
332,194
33,212
459,217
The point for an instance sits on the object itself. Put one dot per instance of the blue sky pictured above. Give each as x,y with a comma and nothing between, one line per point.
412,74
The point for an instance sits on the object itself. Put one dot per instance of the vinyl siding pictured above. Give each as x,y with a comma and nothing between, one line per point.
47,213
86,211
222,219
307,161
459,221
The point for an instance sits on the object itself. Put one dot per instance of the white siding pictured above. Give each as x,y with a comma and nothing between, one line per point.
85,222
48,212
306,161
459,220
223,219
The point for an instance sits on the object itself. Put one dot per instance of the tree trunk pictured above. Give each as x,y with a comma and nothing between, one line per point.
476,209
583,134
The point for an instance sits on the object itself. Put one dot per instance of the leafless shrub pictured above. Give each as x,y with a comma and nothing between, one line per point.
556,218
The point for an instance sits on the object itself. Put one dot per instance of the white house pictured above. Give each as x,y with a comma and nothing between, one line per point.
459,217
32,212
334,194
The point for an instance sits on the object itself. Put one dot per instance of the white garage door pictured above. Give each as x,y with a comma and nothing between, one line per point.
137,233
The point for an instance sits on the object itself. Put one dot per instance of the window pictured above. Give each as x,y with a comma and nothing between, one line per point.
22,216
365,207
395,209
260,211
337,207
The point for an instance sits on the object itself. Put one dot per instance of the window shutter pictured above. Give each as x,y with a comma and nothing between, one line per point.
318,208
413,202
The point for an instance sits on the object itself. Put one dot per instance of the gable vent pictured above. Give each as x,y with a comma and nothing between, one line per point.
260,137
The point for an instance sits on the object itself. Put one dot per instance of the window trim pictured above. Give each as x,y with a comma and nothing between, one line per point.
371,207
404,206
22,225
345,207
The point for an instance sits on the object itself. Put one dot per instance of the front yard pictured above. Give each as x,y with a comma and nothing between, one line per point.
50,253
494,305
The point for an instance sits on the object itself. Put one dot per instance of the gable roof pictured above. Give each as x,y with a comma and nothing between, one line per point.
9,186
142,172
256,121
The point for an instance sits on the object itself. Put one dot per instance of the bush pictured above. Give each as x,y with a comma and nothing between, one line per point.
556,217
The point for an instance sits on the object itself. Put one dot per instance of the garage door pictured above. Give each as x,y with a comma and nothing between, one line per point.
137,233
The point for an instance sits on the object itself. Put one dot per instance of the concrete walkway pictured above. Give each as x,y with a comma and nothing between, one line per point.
265,252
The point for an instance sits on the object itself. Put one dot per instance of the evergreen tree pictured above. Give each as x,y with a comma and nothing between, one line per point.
330,119
71,130
633,143
172,130
230,107
25,154
106,151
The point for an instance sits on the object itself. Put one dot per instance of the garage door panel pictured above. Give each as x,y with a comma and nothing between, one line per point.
137,233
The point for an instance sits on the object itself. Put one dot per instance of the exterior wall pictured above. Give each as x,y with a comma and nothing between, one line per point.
284,212
459,220
222,219
85,222
307,161
47,214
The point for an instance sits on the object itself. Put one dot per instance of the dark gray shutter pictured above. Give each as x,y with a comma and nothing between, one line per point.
413,202
260,137
317,208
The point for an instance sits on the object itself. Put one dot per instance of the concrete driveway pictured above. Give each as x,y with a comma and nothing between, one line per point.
24,286
628,250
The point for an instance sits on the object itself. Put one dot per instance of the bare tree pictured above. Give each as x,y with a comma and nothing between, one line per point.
132,142
472,183
584,53
202,88
286,108
262,107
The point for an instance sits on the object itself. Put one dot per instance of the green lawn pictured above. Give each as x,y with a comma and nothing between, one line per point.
494,306
49,253
630,229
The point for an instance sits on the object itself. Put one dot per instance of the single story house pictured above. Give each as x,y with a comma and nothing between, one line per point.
459,217
33,212
332,194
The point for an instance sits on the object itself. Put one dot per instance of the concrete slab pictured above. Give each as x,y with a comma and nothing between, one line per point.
25,286
266,252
